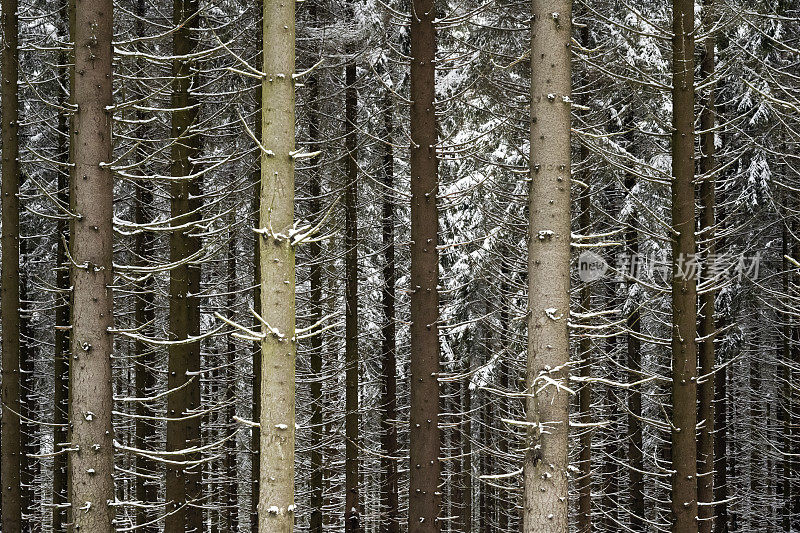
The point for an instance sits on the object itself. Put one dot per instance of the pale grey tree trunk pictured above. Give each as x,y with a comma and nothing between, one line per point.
278,349
547,403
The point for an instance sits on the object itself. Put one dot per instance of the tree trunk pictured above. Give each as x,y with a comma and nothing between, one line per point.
707,327
547,405
91,463
10,437
316,311
352,506
278,348
61,333
230,503
183,429
684,283
389,485
424,498
634,363
255,439
586,356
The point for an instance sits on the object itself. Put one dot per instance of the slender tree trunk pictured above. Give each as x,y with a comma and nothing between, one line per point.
316,310
707,326
425,469
61,334
146,490
634,363
278,348
547,405
389,485
230,509
584,480
183,429
684,283
10,437
91,463
255,439
27,400
352,505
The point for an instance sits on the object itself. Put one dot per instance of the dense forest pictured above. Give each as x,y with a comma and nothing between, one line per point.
383,266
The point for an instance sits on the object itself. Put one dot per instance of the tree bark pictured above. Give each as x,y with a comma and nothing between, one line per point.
707,303
91,463
230,500
183,429
684,283
352,505
586,356
425,469
10,437
547,405
61,333
278,348
316,310
255,439
389,485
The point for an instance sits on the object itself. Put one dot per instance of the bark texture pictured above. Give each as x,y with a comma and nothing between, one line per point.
684,284
352,506
278,348
424,497
707,326
183,428
10,436
547,403
91,461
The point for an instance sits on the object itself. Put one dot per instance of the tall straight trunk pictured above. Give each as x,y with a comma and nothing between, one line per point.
316,501
10,436
352,506
91,462
707,303
584,480
61,333
144,313
547,405
278,347
183,429
465,519
633,348
255,439
504,402
27,401
684,283
230,508
425,469
390,499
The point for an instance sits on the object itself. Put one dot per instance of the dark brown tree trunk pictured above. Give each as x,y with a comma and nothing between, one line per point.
390,504
183,429
586,356
91,462
634,363
230,501
352,505
10,436
255,440
424,498
146,489
684,282
316,310
61,334
707,304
